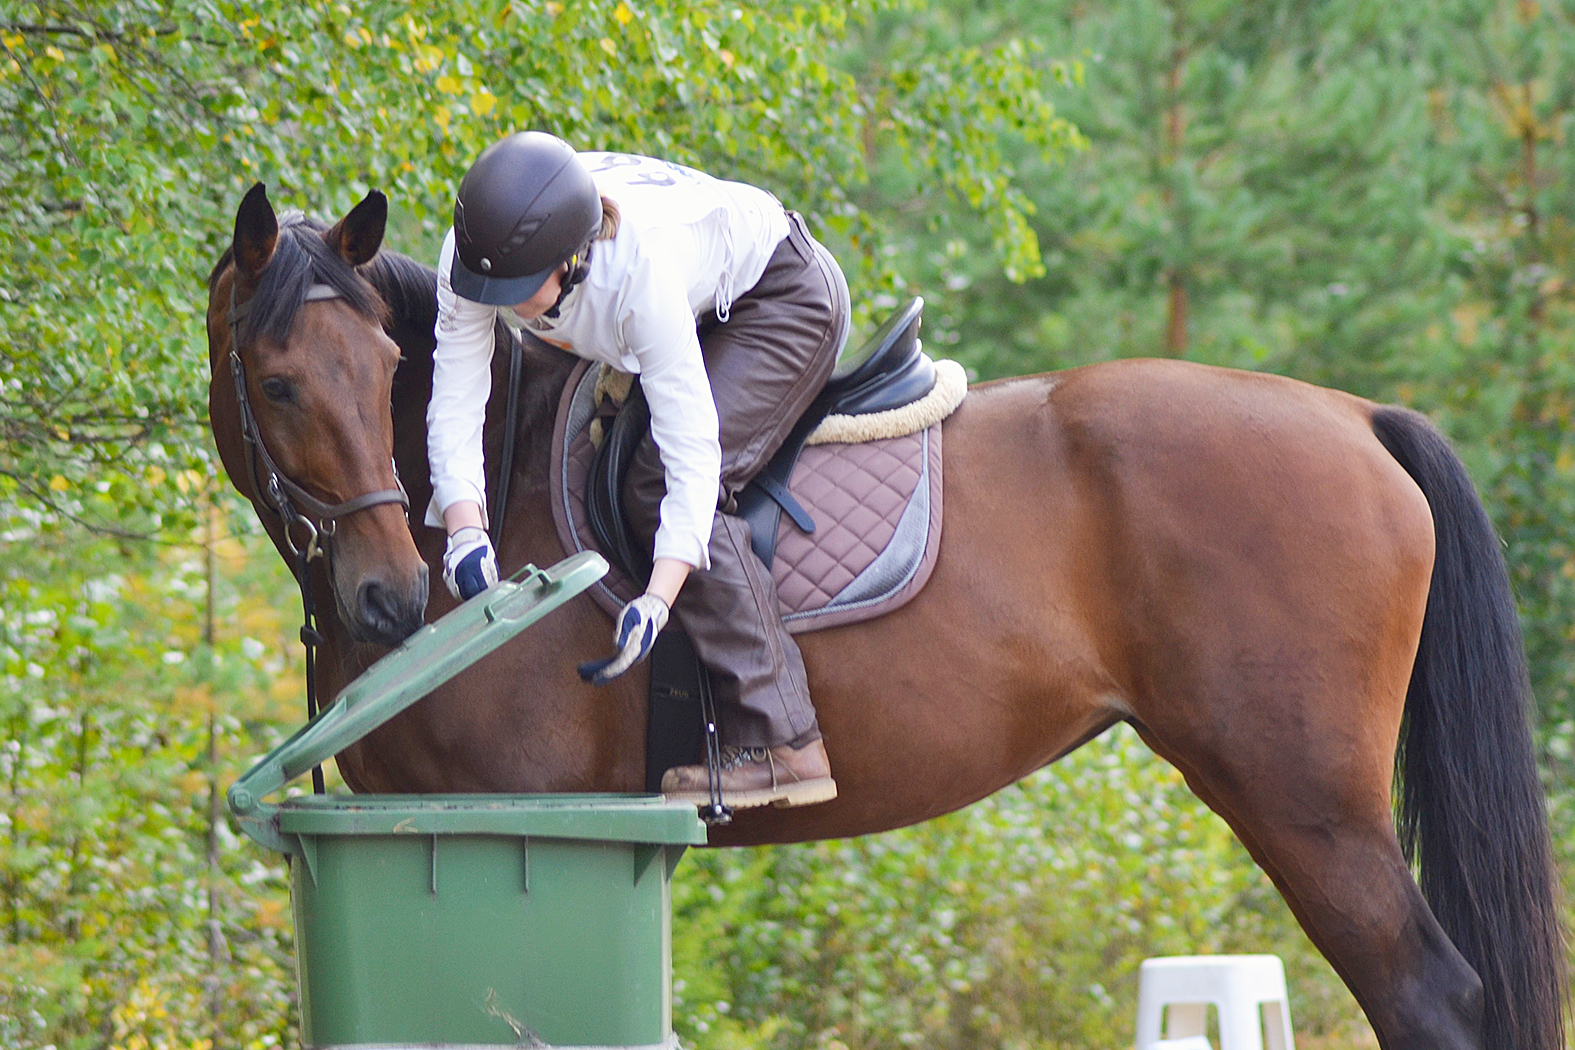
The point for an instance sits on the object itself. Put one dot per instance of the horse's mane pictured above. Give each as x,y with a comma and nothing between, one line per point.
409,289
301,258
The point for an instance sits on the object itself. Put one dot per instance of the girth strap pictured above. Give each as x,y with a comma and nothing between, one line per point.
511,429
604,486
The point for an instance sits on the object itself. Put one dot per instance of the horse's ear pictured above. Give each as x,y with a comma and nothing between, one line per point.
357,236
256,233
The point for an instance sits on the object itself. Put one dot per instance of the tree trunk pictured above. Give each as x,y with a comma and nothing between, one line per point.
217,952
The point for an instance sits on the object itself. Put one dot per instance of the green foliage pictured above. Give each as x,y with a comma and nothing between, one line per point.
1376,197
930,101
1507,109
130,128
96,310
131,914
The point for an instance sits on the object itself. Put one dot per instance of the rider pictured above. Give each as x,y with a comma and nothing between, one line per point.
732,315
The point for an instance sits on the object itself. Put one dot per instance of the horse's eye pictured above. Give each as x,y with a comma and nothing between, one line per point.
279,391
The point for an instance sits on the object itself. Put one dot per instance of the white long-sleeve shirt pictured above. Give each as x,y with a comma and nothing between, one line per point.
687,243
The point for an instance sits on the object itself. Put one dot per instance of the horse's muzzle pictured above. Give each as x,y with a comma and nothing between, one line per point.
385,614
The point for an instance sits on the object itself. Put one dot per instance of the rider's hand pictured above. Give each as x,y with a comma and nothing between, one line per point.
469,566
634,634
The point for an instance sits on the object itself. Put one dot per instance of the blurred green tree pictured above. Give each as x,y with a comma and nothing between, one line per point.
129,129
1504,106
130,916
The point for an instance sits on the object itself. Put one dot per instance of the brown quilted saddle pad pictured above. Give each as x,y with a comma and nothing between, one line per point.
876,507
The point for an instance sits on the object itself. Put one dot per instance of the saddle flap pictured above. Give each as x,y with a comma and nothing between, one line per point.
877,509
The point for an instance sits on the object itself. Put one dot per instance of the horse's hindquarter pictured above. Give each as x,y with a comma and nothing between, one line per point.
1196,549
1267,559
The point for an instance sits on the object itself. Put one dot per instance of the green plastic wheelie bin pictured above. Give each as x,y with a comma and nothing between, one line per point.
470,920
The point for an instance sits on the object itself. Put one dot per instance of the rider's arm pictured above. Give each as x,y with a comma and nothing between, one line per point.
667,577
658,328
461,384
461,514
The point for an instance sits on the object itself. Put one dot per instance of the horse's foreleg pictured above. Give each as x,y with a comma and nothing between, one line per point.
1319,823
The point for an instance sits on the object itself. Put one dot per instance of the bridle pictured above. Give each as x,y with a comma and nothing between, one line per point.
273,487
296,507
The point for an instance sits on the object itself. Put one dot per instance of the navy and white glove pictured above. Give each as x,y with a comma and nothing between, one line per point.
469,566
633,635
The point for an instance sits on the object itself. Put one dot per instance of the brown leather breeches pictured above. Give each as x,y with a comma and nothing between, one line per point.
766,363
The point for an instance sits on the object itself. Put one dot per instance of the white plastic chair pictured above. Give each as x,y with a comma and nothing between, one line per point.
1247,990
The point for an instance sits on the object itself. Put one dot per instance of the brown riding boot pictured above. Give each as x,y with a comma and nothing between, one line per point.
758,776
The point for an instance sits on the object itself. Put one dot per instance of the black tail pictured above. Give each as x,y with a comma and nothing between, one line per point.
1471,809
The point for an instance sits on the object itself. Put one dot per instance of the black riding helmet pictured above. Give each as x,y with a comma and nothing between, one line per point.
526,206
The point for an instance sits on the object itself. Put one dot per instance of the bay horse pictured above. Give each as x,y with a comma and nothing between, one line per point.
1277,585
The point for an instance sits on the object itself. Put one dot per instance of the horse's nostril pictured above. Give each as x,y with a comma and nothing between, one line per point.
388,615
376,605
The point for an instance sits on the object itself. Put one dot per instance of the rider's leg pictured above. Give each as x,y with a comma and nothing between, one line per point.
730,613
773,751
766,363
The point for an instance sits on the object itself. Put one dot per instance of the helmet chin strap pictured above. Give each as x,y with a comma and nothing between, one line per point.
579,269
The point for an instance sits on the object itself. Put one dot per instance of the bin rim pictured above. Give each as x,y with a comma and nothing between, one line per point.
603,817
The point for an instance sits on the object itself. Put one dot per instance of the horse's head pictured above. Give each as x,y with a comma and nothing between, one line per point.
299,401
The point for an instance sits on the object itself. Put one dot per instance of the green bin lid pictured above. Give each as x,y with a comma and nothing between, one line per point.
427,659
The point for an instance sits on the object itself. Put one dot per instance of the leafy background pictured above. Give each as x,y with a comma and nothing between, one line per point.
1374,197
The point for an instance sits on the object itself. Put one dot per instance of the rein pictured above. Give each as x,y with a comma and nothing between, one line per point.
511,425
289,500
